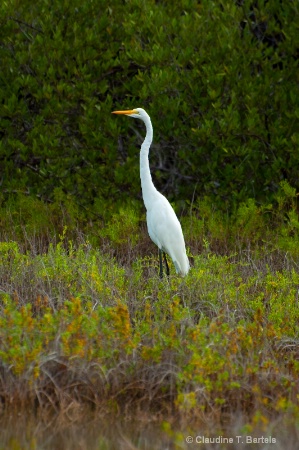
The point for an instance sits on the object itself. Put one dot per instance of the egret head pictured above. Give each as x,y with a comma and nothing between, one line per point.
137,113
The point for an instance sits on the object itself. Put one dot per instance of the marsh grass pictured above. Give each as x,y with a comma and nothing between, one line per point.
87,325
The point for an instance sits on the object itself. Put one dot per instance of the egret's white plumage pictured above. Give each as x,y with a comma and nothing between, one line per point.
163,225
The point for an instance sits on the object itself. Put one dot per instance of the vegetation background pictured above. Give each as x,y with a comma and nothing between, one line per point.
219,79
84,320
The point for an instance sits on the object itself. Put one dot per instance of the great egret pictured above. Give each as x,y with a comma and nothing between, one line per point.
163,225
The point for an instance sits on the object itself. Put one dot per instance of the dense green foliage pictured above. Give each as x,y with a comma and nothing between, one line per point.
219,79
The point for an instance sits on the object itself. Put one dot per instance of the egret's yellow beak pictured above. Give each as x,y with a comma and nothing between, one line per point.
127,113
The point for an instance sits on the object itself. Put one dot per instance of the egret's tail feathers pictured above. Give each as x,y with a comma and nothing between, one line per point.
183,266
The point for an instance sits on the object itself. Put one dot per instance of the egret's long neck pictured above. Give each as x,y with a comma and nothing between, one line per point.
148,188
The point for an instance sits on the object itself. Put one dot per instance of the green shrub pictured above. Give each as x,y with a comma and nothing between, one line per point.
218,79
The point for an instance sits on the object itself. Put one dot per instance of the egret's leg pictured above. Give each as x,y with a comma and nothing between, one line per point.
161,263
166,263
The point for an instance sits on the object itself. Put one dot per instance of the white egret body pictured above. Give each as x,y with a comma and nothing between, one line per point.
163,225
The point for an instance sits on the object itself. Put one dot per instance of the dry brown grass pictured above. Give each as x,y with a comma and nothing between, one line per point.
214,351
